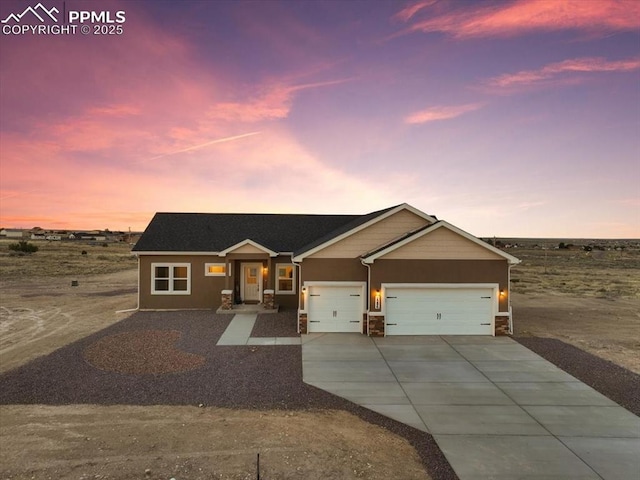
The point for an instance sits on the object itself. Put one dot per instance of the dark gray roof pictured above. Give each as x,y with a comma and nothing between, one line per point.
214,232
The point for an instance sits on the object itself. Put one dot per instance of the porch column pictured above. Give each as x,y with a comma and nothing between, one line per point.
227,273
227,300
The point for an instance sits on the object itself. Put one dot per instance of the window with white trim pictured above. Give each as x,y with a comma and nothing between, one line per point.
286,278
171,278
215,269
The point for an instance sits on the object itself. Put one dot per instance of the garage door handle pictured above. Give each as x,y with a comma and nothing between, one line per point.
392,297
354,321
314,321
353,295
314,294
485,297
391,323
485,324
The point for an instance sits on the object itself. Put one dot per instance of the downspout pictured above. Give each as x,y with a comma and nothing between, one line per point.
299,267
368,291
138,306
509,299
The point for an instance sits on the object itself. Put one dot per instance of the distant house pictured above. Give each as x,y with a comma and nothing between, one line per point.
53,238
12,232
397,271
38,236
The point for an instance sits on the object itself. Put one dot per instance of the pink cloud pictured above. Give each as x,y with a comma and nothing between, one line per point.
409,11
521,16
434,114
553,70
273,104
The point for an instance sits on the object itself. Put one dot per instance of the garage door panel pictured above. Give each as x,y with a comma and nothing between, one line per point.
438,311
335,309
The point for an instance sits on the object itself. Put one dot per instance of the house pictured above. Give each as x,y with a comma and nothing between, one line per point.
396,271
12,233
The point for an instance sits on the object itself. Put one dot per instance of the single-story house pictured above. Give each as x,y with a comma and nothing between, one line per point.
12,233
396,271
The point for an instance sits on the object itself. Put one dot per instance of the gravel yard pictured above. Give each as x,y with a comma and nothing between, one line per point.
284,324
244,377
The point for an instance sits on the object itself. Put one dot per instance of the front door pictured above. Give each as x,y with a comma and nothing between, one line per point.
251,282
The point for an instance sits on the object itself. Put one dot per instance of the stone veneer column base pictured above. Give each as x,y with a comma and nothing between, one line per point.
227,300
268,300
376,325
501,326
302,323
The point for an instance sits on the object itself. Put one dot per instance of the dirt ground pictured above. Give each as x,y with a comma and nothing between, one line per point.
37,315
161,442
590,302
608,328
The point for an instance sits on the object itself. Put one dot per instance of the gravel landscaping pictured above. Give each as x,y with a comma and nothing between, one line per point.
141,351
253,377
617,383
284,324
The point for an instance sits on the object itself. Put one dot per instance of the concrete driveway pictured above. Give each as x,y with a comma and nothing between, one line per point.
496,409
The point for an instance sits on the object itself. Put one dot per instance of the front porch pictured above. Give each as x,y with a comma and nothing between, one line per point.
248,309
229,307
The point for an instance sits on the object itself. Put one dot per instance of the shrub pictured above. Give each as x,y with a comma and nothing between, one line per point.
23,246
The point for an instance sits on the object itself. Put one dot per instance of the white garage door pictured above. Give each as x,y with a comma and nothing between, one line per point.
438,311
335,308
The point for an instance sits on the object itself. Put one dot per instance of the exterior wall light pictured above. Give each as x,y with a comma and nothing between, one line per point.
376,300
502,293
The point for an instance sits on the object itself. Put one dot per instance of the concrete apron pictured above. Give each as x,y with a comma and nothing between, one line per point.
496,409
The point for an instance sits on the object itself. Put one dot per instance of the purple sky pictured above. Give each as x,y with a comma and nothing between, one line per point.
508,118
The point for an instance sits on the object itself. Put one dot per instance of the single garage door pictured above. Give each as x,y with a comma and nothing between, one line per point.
438,311
335,308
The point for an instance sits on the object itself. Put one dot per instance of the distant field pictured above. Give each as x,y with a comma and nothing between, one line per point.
65,258
575,272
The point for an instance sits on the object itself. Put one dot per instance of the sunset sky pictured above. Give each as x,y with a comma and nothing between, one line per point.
507,118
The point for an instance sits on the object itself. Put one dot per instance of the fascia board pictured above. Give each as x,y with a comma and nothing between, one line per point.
138,252
248,241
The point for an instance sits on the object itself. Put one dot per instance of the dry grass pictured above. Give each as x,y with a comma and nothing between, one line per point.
56,259
605,274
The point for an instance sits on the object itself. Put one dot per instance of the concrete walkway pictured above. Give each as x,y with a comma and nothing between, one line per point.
496,409
239,333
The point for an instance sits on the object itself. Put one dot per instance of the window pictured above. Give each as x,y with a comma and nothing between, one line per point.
215,269
286,281
171,278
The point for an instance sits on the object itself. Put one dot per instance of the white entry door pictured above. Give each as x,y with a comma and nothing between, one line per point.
251,282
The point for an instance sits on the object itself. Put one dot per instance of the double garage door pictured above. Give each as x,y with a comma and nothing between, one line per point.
437,310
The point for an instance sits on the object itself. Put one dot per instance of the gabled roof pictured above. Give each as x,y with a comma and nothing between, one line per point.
215,232
411,236
359,224
245,243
